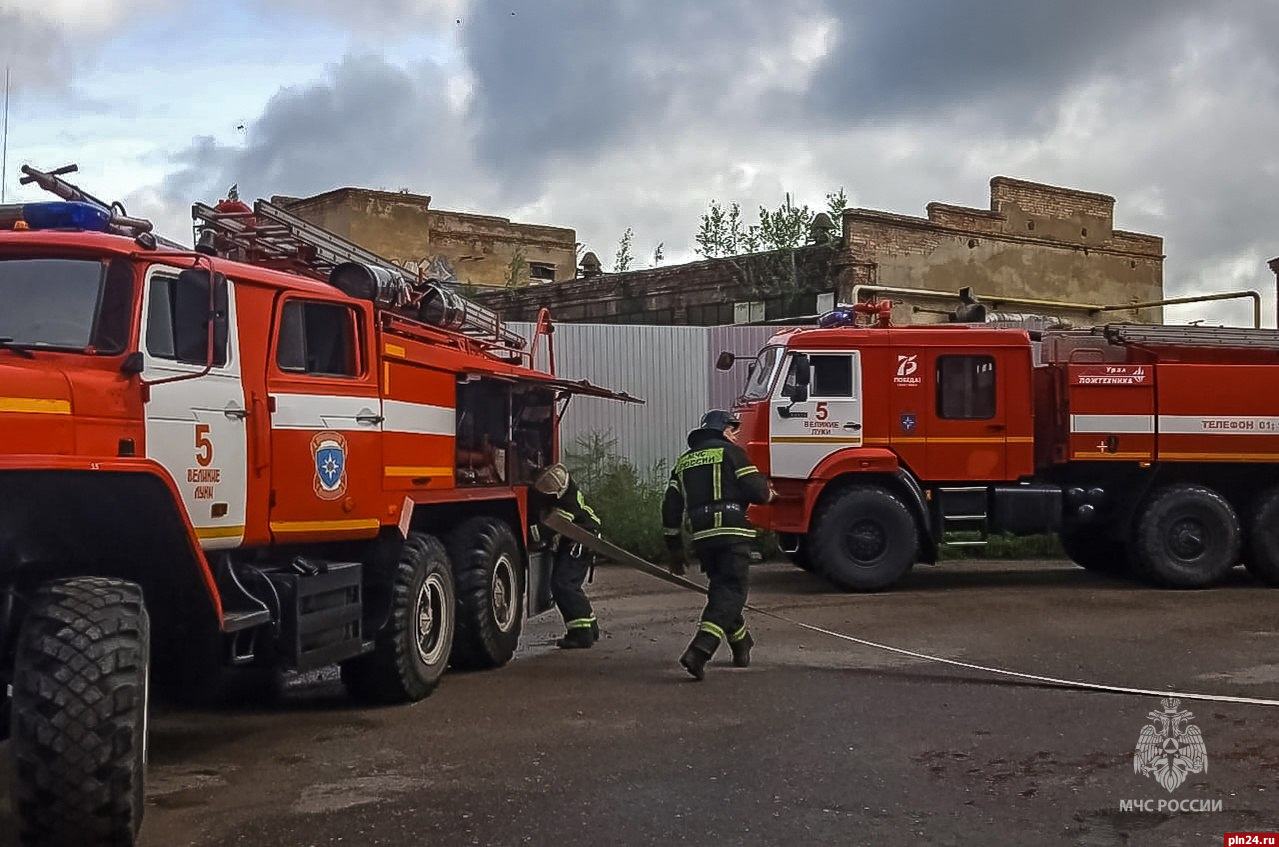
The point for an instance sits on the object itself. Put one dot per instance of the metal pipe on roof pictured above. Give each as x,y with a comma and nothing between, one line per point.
1198,298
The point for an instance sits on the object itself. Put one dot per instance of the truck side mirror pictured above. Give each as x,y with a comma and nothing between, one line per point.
798,393
803,372
725,361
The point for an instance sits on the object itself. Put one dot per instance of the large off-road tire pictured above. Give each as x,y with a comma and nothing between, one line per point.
79,725
1187,536
489,574
1091,548
1263,539
865,539
412,650
800,556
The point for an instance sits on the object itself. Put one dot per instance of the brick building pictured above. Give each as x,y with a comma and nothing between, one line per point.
1038,249
478,250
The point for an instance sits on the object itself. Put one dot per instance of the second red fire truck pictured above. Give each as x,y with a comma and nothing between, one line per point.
1151,450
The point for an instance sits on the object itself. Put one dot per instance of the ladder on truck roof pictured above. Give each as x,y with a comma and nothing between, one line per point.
273,237
1190,336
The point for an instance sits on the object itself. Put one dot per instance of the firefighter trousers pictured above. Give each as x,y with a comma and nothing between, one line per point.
727,571
568,572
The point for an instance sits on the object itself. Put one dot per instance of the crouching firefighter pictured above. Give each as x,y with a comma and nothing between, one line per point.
713,482
571,560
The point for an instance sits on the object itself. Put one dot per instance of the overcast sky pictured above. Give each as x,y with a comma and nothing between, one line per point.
634,113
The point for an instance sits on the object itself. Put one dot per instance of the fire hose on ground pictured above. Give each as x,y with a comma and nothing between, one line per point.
620,556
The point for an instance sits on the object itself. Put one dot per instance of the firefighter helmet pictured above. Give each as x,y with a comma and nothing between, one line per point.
553,481
719,420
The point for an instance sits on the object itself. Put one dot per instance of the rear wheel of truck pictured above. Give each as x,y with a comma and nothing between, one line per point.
489,575
79,725
865,539
411,652
1090,547
1263,539
1187,536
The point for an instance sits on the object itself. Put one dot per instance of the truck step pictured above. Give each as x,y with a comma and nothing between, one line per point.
964,543
240,621
323,615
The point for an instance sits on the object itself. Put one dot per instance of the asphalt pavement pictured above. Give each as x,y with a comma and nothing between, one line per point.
818,742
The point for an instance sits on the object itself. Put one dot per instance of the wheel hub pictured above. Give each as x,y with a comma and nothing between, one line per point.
865,541
503,593
430,620
1186,539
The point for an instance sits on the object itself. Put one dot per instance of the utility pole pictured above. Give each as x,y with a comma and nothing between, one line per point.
4,137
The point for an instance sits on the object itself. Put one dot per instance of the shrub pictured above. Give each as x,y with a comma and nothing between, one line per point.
628,501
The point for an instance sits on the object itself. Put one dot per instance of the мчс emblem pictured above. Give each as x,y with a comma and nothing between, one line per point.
329,450
908,422
1169,749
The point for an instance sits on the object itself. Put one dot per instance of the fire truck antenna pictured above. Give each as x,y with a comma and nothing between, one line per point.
4,137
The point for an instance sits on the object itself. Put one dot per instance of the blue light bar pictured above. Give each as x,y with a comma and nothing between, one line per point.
57,215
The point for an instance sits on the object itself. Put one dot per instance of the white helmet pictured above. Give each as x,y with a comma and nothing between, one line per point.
553,481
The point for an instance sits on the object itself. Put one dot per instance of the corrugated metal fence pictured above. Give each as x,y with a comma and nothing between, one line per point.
671,367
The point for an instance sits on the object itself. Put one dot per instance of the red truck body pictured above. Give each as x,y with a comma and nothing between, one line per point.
1150,449
274,452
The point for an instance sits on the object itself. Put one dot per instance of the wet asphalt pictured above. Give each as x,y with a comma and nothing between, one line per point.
818,742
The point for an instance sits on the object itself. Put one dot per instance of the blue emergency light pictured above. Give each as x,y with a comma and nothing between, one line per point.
72,215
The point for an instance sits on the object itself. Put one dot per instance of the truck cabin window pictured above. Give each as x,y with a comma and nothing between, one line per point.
762,372
66,304
178,319
966,387
832,376
317,338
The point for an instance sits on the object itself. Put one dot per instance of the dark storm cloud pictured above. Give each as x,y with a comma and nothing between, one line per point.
369,124
559,78
36,52
918,59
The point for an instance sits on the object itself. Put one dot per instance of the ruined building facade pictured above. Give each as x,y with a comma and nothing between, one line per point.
472,250
1039,249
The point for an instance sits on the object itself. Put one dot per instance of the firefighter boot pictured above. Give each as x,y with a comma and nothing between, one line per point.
576,639
698,653
595,631
741,647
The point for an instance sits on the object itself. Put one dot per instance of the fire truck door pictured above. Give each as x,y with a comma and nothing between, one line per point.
326,427
195,425
830,420
968,433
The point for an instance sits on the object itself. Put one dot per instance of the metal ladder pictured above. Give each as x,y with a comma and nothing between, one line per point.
272,236
1190,336
969,519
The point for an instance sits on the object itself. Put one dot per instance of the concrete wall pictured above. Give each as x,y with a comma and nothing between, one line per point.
474,249
1036,241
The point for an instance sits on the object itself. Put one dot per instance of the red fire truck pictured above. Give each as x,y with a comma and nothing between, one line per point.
276,450
1151,450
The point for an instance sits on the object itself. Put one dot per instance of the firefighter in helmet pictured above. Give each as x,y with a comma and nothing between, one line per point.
572,561
713,482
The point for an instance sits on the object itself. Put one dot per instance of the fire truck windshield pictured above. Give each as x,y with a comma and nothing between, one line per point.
65,304
762,373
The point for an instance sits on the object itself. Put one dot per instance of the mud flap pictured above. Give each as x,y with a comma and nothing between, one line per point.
539,582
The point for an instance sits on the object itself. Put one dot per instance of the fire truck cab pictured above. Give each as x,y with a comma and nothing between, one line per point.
275,451
1150,450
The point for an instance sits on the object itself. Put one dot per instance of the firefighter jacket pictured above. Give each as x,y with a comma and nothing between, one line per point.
571,506
713,483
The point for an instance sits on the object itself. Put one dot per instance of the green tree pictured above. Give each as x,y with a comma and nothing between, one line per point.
722,231
517,270
622,261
